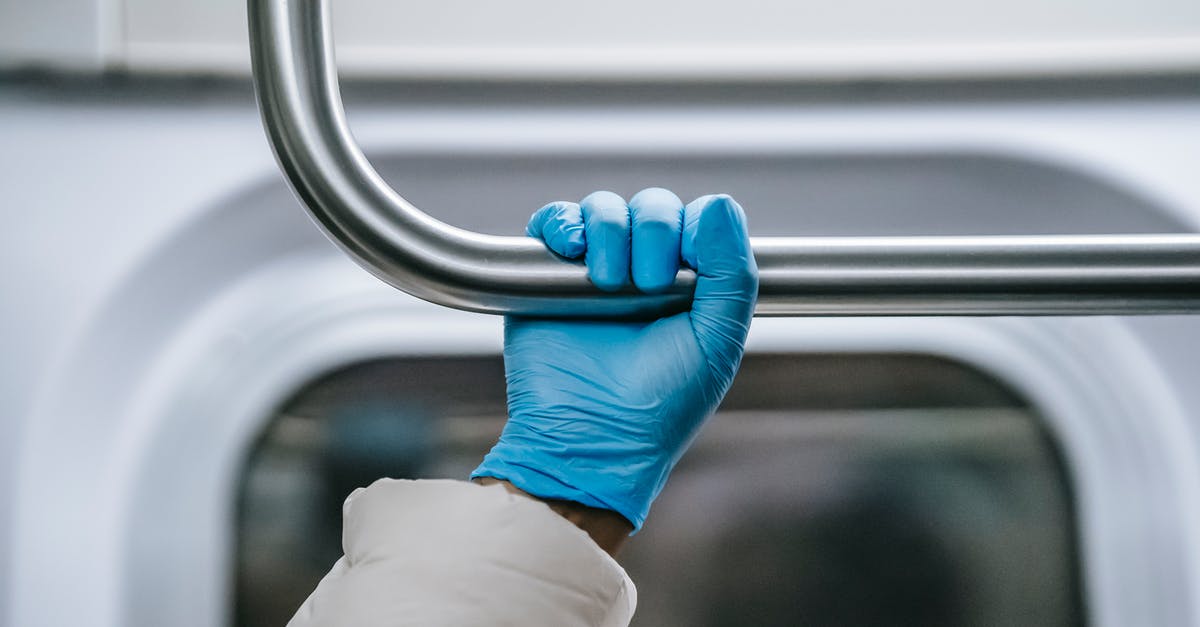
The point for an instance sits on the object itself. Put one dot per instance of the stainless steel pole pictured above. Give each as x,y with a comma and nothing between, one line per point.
296,82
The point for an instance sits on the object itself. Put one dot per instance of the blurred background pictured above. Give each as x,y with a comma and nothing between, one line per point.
193,378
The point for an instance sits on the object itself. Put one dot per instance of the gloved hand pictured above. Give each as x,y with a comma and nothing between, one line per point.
600,412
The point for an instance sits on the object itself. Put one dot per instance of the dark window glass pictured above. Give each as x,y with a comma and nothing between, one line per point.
830,490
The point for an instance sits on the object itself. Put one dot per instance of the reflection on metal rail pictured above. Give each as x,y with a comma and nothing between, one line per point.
296,82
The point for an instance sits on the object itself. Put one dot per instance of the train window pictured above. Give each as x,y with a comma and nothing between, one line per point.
837,489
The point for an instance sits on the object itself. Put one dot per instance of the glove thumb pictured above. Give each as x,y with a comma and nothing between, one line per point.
726,281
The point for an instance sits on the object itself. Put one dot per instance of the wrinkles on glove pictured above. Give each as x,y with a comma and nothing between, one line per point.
600,412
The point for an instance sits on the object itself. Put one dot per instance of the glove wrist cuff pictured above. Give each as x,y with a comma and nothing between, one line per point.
544,481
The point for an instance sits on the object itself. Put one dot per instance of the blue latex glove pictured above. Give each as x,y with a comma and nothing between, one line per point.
600,412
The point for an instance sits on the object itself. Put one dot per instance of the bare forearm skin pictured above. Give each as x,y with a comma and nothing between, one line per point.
608,529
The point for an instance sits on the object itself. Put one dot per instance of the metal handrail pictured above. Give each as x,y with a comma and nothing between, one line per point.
296,81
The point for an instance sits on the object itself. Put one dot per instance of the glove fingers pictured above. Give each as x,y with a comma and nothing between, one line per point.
606,229
560,226
691,221
726,281
657,220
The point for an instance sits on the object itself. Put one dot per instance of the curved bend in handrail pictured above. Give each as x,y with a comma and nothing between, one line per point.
296,82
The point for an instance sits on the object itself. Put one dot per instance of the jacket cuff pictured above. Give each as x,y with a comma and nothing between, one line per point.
441,552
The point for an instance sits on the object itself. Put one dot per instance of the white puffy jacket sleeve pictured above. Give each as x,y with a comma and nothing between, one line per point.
438,553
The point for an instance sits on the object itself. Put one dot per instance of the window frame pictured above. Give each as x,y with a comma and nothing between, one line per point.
1091,381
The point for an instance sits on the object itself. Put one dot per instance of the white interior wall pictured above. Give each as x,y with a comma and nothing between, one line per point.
630,39
65,34
663,39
